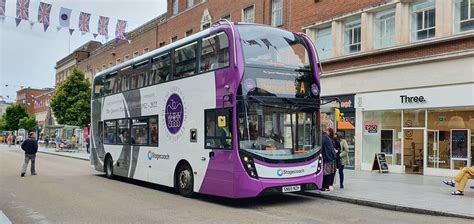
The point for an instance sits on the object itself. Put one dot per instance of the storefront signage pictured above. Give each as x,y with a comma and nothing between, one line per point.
412,99
371,127
380,163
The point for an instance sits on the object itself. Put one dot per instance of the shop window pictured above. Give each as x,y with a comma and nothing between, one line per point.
214,52
123,126
139,131
218,128
324,42
110,132
464,15
249,14
352,37
414,118
153,123
423,20
185,60
277,12
384,29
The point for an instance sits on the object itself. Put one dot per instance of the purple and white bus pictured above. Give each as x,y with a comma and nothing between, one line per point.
231,111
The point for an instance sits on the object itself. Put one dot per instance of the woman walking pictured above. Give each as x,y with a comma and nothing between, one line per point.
329,160
344,158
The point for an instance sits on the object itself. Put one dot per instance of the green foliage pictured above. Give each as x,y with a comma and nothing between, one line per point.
12,116
3,123
71,101
28,123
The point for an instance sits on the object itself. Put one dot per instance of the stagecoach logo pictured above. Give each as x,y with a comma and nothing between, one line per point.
174,113
281,172
153,155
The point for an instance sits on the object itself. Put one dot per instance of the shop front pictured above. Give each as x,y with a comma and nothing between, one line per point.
427,131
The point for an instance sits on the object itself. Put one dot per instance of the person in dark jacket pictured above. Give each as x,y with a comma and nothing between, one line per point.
30,146
337,148
329,160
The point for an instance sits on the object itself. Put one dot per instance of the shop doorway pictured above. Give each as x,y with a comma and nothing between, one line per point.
433,149
413,150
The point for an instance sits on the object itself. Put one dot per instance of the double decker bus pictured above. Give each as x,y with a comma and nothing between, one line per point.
231,111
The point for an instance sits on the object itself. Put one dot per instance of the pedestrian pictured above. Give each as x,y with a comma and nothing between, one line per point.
14,140
73,141
329,161
10,140
87,144
58,142
344,158
461,179
30,146
337,148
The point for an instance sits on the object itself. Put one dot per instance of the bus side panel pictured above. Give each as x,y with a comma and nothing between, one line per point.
95,139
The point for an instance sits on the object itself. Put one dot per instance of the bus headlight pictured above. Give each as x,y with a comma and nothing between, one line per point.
249,166
320,163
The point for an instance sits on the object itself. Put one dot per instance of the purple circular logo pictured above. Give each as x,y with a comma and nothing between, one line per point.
314,89
174,113
64,16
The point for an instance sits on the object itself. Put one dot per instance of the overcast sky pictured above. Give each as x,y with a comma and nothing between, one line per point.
28,56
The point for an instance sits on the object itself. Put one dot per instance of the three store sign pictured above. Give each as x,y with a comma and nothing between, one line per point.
412,99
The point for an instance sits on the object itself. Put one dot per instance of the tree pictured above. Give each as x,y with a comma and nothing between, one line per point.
3,123
71,101
12,116
28,123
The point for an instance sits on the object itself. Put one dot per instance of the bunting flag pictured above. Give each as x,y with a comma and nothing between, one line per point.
95,35
103,27
84,19
22,10
44,12
64,17
120,29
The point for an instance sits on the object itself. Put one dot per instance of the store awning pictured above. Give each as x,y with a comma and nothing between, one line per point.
345,125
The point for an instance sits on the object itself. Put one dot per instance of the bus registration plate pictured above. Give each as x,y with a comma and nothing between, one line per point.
291,188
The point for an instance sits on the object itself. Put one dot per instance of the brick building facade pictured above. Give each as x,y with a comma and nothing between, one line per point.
27,96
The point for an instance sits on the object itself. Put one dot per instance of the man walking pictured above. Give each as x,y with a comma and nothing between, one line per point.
30,146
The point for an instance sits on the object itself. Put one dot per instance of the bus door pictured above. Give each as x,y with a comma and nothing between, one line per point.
218,144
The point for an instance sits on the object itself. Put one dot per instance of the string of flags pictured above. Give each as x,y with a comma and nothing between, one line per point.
64,20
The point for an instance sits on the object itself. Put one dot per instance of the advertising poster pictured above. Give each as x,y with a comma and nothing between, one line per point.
371,127
459,143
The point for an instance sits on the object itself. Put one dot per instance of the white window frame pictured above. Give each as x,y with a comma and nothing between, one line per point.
250,19
225,17
277,12
126,58
175,7
457,13
135,54
381,21
172,41
146,50
424,11
118,61
351,26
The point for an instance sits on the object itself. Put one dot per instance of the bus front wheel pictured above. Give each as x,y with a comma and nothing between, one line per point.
109,167
185,181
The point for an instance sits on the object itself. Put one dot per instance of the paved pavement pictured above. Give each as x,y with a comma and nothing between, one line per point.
77,154
67,191
402,192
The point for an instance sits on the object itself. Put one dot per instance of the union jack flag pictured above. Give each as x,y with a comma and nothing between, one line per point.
120,29
22,9
84,19
44,11
103,27
2,7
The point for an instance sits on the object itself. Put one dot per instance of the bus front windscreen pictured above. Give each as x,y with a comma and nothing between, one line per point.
268,46
278,128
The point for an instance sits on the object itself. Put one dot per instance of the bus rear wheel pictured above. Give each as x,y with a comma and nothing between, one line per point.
185,181
109,167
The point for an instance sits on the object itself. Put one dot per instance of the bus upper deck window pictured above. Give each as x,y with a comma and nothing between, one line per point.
99,87
185,60
214,52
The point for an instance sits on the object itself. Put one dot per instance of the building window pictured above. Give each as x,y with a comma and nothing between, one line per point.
324,43
162,44
249,14
464,15
277,12
189,3
352,37
104,67
205,26
135,54
423,20
384,29
145,50
175,7
118,61
189,32
227,17
126,58
173,39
